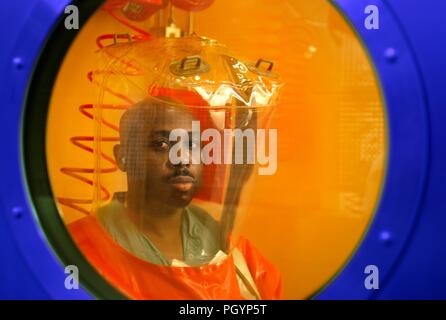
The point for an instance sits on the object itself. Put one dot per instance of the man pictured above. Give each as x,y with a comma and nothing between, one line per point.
151,242
159,225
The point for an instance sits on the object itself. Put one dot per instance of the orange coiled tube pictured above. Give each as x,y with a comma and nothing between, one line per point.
83,142
80,142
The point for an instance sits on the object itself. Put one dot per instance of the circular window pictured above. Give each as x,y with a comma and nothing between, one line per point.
305,220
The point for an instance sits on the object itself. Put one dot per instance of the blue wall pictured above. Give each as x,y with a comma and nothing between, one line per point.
409,55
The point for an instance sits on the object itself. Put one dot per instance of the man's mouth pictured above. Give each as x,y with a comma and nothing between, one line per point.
182,183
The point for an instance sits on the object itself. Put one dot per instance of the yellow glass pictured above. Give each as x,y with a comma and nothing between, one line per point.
309,217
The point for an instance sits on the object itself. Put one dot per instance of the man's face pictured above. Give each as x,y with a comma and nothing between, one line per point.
149,171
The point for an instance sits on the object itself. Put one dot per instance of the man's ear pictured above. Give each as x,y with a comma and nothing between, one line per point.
120,157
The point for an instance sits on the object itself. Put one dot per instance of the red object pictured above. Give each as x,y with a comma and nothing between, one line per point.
192,5
118,4
126,11
189,98
140,10
139,279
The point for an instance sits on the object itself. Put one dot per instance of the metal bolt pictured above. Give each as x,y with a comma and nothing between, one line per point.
390,54
18,63
17,212
385,237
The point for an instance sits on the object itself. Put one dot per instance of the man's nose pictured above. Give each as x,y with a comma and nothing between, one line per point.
185,159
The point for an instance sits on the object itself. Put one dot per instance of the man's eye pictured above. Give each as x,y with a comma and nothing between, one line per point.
160,145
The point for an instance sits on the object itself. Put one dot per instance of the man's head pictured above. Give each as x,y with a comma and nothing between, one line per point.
143,153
